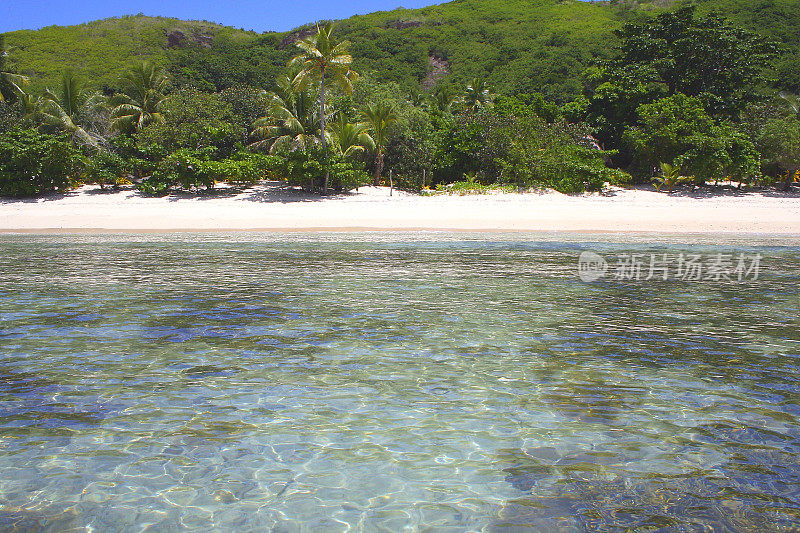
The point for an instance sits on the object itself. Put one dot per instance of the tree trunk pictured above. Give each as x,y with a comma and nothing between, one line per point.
378,169
789,179
322,130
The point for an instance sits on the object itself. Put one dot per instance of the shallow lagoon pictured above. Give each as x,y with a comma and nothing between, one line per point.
290,382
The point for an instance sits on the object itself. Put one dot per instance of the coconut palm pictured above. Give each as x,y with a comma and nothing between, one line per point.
322,58
670,176
291,121
417,97
477,95
141,100
350,139
379,118
8,79
443,99
70,108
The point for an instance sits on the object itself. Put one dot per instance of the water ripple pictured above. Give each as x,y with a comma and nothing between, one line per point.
467,382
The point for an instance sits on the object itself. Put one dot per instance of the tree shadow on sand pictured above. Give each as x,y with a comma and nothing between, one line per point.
723,191
265,192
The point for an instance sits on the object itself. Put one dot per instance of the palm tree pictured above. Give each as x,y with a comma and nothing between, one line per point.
443,99
291,121
477,95
68,107
350,139
380,117
322,57
670,176
8,79
417,97
142,98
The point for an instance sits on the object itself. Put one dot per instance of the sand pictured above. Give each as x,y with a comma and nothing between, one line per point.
270,207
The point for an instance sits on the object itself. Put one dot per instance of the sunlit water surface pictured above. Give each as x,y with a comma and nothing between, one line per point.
242,382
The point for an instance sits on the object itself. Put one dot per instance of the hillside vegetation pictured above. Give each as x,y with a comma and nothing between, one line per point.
518,46
465,96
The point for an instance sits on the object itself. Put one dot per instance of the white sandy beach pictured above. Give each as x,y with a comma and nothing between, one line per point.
269,207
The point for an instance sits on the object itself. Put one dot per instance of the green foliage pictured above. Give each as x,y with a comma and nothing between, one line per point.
477,95
779,143
192,169
193,120
543,129
10,116
74,109
380,118
539,45
350,139
674,53
307,169
523,150
10,83
101,51
243,168
538,154
526,104
667,129
517,47
290,120
670,176
247,103
462,147
706,57
323,60
106,167
141,99
678,130
468,186
232,58
183,168
33,163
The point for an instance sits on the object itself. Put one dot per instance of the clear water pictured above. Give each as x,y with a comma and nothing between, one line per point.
241,382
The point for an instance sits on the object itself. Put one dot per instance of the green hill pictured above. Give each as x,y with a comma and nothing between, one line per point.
100,50
518,45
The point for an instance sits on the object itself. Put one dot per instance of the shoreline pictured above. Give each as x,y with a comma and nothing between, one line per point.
382,230
270,208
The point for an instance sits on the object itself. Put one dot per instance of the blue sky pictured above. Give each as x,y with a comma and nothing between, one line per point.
264,15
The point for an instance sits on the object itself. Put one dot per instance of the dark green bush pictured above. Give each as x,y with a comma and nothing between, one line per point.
183,168
106,168
34,163
523,150
307,168
248,167
189,169
678,130
193,121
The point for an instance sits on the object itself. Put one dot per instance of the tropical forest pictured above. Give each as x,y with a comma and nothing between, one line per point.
470,95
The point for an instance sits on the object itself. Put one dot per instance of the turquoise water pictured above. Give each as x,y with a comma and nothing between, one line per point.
244,382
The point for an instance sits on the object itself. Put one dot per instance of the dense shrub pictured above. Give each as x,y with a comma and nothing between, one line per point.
33,163
779,142
10,116
242,168
106,168
548,155
678,130
524,150
307,168
193,121
183,168
190,169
